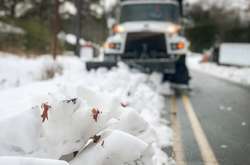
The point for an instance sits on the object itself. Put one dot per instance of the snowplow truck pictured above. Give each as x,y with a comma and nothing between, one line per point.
148,36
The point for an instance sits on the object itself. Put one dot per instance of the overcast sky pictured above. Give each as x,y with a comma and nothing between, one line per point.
242,4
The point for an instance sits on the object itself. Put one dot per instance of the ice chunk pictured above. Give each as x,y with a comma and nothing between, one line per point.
29,161
20,132
115,147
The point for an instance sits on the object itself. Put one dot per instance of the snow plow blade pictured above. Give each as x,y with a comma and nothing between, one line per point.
96,65
147,66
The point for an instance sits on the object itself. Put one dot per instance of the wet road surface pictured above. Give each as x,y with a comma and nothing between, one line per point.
211,123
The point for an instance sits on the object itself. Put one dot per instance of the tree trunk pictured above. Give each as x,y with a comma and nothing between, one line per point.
78,26
56,28
13,9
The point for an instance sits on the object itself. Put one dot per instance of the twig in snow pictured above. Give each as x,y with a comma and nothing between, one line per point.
102,143
96,138
71,100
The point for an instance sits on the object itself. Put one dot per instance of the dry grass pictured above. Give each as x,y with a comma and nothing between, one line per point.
52,70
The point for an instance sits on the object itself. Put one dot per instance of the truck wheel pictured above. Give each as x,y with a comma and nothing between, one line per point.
181,75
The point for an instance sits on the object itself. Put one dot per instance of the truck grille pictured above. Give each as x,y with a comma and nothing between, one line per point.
145,45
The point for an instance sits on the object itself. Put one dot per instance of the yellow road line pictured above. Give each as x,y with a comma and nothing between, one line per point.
205,148
178,148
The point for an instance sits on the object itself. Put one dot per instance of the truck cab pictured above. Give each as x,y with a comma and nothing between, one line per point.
148,35
151,27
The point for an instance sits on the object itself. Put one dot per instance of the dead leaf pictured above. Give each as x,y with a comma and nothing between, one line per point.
45,107
95,114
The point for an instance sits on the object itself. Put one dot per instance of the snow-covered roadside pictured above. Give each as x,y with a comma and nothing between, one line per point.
121,105
230,73
15,71
11,160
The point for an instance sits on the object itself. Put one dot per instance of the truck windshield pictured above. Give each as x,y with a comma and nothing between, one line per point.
150,12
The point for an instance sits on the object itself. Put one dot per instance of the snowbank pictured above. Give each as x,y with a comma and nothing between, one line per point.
19,132
26,161
111,116
16,71
234,74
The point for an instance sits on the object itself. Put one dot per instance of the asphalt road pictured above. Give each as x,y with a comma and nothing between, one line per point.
211,123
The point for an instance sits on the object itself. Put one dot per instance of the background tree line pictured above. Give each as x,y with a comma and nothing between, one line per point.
216,25
35,17
208,26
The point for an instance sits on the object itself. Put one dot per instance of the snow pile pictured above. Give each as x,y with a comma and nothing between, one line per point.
26,161
67,125
234,74
110,153
109,117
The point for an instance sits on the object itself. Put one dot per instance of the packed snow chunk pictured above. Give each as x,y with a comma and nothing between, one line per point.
17,71
164,133
69,123
6,160
20,133
113,148
108,105
68,127
131,122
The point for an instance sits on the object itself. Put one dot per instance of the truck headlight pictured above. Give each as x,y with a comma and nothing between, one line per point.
118,29
174,29
178,45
